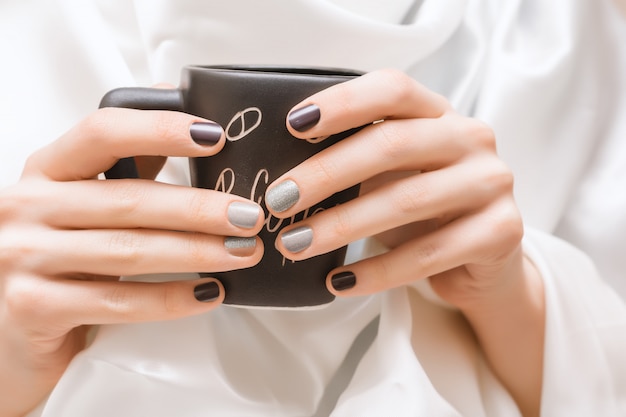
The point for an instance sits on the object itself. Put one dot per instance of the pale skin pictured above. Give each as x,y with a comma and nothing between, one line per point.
434,191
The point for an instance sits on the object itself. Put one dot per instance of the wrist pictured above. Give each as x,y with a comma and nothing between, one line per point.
520,288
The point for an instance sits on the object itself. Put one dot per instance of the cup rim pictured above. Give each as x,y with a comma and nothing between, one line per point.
281,69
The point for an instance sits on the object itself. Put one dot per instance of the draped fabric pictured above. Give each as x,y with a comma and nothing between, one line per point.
546,75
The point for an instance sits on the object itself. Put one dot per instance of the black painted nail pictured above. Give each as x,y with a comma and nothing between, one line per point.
205,133
208,291
343,280
304,118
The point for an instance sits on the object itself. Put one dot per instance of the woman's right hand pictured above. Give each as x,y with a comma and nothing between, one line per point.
66,237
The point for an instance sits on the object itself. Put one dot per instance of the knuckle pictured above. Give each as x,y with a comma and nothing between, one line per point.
167,125
173,300
119,300
13,201
425,253
479,134
408,197
198,252
98,125
126,197
15,249
125,248
497,178
507,225
343,225
342,97
23,299
501,177
383,270
32,163
199,210
326,170
394,142
399,85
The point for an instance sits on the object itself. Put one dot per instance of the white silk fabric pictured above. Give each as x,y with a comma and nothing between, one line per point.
546,75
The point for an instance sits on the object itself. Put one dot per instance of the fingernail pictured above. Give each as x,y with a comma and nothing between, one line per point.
283,196
208,291
343,280
304,118
243,214
240,246
298,239
205,133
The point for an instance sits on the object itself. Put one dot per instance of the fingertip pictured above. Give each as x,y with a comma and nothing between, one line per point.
206,133
246,215
210,291
303,118
340,283
281,196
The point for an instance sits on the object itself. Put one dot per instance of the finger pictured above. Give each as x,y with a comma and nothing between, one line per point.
418,144
485,238
384,94
441,194
109,134
73,303
122,204
132,252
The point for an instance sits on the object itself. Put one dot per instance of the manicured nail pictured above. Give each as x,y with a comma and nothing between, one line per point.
298,239
343,280
283,196
240,246
205,133
304,118
243,214
208,291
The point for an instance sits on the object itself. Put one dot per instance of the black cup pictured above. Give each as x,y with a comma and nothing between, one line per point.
251,103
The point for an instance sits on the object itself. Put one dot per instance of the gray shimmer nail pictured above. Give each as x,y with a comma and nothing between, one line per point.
298,239
283,196
243,215
240,246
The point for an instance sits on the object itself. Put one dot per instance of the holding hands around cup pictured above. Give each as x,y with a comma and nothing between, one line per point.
433,190
66,237
436,193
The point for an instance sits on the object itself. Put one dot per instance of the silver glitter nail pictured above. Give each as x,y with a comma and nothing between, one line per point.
240,246
243,214
298,239
283,196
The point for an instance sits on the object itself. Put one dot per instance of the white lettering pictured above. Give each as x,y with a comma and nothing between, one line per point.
239,120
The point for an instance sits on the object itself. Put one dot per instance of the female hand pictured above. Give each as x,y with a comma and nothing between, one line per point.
436,193
66,237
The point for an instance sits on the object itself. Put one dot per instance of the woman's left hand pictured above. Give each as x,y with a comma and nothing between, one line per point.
433,190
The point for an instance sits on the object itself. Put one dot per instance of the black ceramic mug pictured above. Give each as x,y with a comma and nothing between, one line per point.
251,104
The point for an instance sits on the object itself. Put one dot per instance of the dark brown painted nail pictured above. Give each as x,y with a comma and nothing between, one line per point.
209,291
304,118
205,133
343,280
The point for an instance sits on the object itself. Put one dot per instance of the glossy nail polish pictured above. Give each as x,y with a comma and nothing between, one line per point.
205,133
240,246
208,291
282,196
298,239
304,118
342,281
244,215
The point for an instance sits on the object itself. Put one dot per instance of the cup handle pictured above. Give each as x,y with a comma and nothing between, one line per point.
140,98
